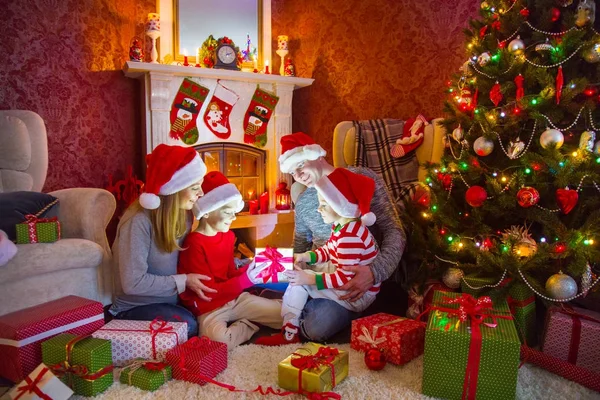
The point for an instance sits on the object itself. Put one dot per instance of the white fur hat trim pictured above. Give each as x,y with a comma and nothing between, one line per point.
289,159
217,198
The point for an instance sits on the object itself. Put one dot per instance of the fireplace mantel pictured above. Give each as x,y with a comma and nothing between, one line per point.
161,83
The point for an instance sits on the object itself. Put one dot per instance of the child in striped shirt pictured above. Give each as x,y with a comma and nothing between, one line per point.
343,197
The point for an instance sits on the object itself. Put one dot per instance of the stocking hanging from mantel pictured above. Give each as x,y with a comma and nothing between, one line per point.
218,110
185,109
257,117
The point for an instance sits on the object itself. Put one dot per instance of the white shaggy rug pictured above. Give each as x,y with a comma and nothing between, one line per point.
252,365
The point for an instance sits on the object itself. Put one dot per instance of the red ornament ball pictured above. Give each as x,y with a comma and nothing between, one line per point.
476,196
375,359
555,14
528,197
445,180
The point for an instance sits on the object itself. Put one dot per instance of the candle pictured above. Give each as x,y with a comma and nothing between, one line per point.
185,58
255,61
198,57
253,207
267,67
264,203
250,194
282,42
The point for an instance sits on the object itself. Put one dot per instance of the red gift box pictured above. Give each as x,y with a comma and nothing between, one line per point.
22,332
402,339
198,359
418,302
573,335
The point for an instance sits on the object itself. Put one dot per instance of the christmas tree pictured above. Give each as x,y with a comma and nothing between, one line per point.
517,192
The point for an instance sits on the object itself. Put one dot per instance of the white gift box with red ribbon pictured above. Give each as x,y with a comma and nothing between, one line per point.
272,262
41,384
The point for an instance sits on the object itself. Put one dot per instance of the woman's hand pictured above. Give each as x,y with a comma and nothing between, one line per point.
300,277
194,283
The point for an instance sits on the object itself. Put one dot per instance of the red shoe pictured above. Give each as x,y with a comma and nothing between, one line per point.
288,335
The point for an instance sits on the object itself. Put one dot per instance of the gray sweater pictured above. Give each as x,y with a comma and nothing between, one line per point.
311,232
143,274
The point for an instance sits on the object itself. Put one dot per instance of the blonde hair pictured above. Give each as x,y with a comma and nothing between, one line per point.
168,222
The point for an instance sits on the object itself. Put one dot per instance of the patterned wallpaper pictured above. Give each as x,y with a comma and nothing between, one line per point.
63,60
370,59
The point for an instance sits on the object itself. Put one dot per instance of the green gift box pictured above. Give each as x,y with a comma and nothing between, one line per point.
449,350
145,374
83,363
520,298
38,230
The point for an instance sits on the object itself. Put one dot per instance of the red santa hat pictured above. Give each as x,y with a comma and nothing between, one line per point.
296,148
169,170
218,191
348,194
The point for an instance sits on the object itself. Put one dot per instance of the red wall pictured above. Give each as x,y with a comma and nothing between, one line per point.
370,59
63,60
375,59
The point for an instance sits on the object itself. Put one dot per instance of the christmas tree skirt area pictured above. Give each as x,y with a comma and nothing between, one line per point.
252,365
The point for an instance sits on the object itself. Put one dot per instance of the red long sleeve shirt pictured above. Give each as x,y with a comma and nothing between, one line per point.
211,256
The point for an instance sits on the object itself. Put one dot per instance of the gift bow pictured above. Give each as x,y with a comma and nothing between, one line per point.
150,365
32,386
31,220
417,302
276,258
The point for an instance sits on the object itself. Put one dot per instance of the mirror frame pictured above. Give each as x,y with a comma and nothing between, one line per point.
168,43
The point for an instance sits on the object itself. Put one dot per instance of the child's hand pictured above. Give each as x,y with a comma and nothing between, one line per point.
300,277
252,271
300,260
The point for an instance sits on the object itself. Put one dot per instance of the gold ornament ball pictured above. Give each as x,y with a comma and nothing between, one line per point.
552,137
452,277
483,146
485,5
561,286
597,147
525,249
592,55
516,46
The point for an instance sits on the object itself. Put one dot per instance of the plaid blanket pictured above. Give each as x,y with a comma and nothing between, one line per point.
374,139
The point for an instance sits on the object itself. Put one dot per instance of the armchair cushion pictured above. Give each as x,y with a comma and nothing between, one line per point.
14,206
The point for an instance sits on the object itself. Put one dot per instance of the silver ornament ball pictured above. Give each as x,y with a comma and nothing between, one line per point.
458,133
592,55
484,59
516,46
483,146
586,141
597,147
453,277
552,137
561,286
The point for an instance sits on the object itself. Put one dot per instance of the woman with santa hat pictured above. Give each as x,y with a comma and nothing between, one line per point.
149,238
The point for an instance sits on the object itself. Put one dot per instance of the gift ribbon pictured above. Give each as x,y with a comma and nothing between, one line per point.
150,365
476,311
576,330
157,326
32,386
198,343
324,356
369,338
66,368
276,258
31,220
513,304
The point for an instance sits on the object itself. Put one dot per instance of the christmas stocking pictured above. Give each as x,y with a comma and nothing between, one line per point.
185,109
217,113
412,137
257,117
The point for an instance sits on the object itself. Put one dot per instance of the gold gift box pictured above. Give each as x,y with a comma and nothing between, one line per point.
314,380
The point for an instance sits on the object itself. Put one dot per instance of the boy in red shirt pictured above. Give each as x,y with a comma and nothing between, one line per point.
209,251
343,197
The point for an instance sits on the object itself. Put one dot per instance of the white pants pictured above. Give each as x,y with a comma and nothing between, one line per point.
295,299
240,311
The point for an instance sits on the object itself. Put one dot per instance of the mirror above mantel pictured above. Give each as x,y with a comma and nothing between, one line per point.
177,35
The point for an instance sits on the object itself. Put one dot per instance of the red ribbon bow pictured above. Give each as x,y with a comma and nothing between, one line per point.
32,386
276,258
159,325
154,366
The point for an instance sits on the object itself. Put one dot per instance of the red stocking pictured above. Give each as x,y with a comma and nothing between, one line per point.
217,113
257,117
186,106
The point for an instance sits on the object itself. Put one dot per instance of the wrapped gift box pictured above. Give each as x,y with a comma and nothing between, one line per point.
22,332
519,297
40,382
83,363
402,339
573,335
146,374
198,359
331,367
448,341
272,262
418,301
38,230
149,340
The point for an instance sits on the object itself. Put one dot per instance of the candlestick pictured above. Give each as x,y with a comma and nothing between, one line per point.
264,203
198,57
253,207
267,67
282,54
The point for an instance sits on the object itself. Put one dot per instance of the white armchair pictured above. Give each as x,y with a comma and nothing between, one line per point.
78,264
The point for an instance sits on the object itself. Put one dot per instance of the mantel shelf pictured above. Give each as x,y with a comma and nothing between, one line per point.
133,69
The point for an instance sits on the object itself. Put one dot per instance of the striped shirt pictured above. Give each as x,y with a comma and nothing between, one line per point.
350,244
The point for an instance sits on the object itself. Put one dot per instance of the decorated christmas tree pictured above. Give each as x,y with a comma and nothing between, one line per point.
517,192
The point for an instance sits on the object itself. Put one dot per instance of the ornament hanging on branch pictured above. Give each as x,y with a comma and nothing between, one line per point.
524,13
476,196
523,244
515,148
586,141
483,146
552,137
561,286
516,46
458,133
528,197
466,68
586,280
484,59
496,94
592,55
445,180
597,148
520,91
542,48
554,14
453,277
559,84
566,199
586,13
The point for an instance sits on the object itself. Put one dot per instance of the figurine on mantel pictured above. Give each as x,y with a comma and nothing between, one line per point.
289,68
135,50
